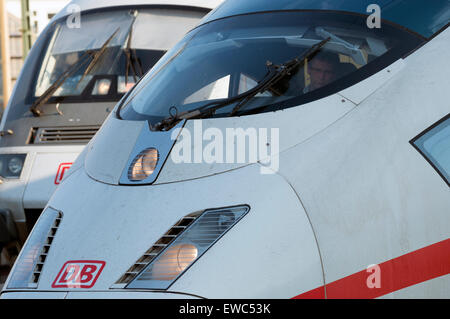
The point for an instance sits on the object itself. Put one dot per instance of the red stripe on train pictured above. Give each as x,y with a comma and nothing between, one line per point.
411,269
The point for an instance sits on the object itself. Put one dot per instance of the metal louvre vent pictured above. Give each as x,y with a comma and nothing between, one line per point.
30,263
45,249
156,249
188,247
180,252
54,135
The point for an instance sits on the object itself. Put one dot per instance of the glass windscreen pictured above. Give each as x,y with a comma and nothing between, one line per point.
209,72
109,52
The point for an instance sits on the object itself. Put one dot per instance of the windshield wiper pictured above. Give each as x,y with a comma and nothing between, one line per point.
102,50
66,74
58,83
131,57
97,56
274,75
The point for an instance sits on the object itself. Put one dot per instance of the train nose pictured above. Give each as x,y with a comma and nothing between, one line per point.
250,238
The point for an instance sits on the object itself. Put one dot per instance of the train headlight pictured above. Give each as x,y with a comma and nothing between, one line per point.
30,262
11,165
188,247
143,165
174,261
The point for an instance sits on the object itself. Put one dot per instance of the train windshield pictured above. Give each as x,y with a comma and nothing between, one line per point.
214,70
104,54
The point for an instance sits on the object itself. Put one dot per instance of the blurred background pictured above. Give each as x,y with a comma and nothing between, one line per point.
21,22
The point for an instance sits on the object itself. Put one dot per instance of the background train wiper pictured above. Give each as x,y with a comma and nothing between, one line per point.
132,59
127,51
57,84
65,75
97,55
275,74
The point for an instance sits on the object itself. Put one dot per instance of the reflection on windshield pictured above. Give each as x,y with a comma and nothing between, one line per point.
134,44
228,57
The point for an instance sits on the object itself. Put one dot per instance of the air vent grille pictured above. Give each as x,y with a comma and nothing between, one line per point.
55,135
157,248
45,249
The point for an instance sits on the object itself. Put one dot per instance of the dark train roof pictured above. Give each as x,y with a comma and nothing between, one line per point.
421,16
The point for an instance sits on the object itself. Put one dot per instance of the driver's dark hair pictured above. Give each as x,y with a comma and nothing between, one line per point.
328,56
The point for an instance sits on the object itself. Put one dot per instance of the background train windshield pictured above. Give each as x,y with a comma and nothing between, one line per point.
107,52
228,57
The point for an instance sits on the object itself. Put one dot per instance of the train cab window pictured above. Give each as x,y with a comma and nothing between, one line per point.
434,145
225,63
132,42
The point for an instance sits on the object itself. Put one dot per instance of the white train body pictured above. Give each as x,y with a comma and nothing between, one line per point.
345,206
47,145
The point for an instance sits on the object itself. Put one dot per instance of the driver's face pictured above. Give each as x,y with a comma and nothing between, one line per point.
322,73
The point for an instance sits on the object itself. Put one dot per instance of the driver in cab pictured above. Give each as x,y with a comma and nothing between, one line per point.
320,71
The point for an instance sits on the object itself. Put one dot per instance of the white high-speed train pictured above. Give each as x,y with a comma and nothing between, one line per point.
83,63
282,149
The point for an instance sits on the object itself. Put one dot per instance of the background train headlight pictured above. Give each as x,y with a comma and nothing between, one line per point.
11,165
188,247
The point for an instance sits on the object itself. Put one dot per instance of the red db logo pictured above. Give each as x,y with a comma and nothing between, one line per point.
79,274
61,170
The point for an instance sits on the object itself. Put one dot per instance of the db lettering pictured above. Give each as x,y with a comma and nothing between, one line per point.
78,274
